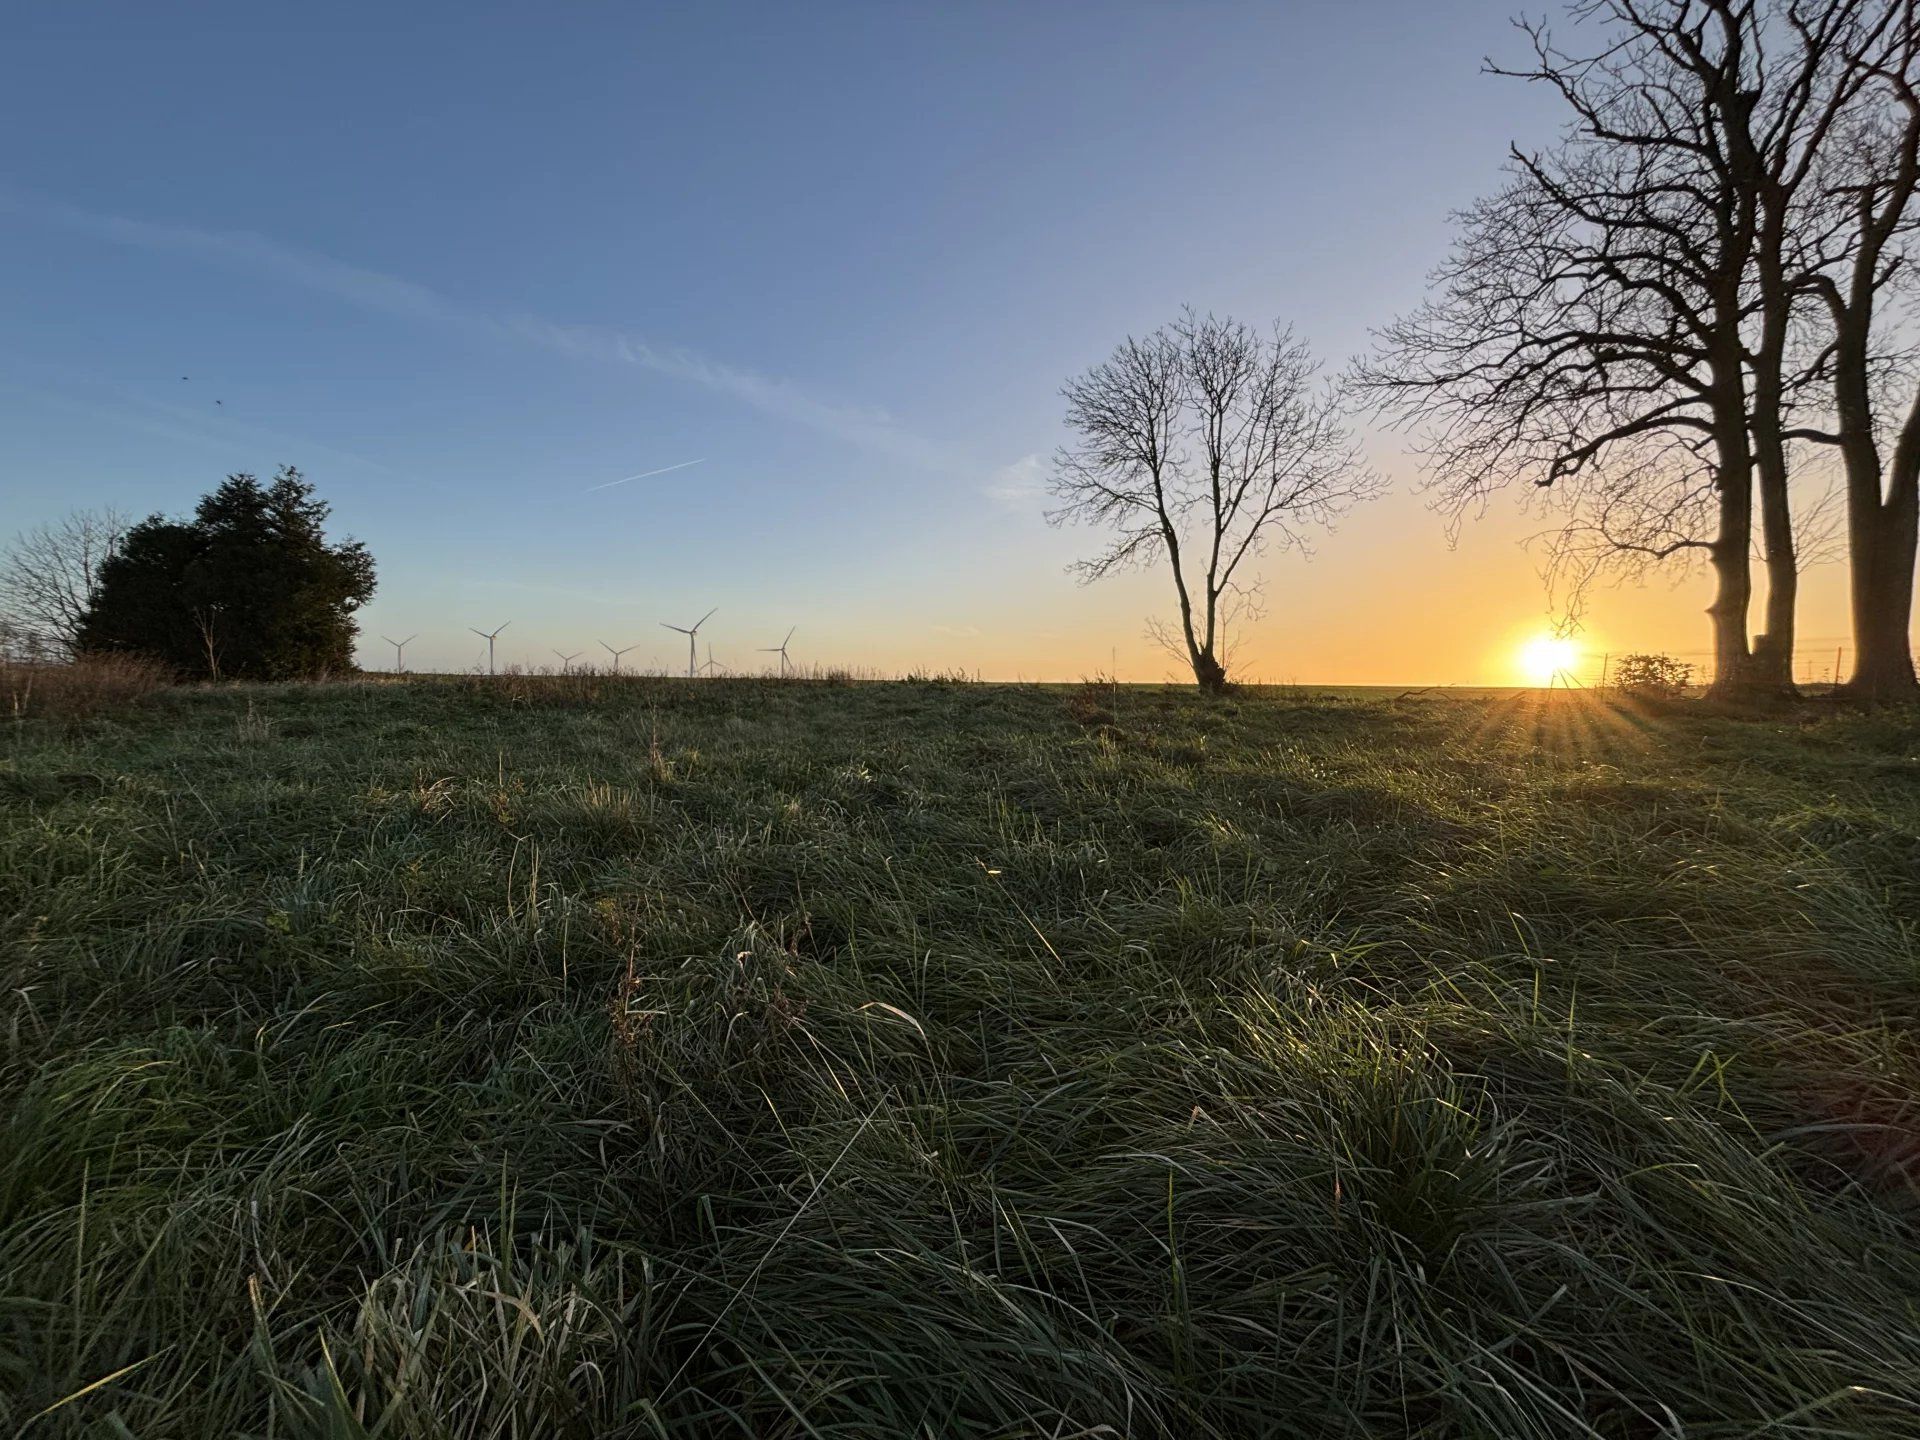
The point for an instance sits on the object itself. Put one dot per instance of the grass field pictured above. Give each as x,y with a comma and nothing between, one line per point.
573,1057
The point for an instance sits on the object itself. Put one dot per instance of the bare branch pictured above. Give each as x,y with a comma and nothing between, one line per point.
48,576
1205,445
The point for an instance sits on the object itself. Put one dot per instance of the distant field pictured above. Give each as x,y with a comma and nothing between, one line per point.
589,1058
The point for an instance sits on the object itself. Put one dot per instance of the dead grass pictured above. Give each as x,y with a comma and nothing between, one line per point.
80,689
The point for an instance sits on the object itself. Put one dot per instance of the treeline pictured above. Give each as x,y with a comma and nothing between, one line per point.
249,587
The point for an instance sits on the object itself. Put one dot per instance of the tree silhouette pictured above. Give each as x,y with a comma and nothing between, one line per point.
47,580
249,588
1204,445
1631,320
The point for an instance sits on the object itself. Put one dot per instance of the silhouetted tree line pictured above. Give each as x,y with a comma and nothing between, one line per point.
248,588
1676,321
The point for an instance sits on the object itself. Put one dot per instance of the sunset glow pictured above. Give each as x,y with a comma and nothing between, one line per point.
873,384
1546,657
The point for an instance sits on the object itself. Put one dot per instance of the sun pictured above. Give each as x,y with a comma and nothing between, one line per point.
1547,657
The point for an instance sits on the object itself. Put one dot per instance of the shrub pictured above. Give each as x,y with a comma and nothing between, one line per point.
85,687
1657,676
1094,703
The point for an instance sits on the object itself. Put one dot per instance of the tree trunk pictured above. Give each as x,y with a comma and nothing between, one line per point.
1733,592
1772,659
1771,662
1731,551
1881,526
1208,672
1883,545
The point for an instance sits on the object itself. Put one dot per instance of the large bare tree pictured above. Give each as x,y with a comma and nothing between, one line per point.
1205,445
1819,121
1856,257
1620,322
48,576
1585,335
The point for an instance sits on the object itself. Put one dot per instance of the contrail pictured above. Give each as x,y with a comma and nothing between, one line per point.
664,469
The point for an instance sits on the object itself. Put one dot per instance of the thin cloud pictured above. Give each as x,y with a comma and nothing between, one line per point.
871,429
1021,485
645,474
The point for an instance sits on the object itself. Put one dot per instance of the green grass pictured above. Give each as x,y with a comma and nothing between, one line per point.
761,1059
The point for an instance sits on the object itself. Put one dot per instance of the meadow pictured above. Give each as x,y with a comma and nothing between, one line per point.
590,1057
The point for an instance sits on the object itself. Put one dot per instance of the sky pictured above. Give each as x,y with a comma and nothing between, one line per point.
467,266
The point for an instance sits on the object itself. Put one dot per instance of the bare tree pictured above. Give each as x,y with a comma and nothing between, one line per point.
1585,337
1812,101
1857,260
1205,445
1618,323
48,576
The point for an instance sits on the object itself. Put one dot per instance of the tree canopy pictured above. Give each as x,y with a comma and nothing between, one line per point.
249,588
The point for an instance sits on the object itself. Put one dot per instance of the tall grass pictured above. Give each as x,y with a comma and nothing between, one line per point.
570,1057
78,689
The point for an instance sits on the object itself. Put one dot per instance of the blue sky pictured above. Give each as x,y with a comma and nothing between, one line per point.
463,264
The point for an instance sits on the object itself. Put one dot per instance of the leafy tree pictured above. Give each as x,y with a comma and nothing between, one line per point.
248,588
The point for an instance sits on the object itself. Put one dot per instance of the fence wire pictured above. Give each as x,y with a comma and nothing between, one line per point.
1817,662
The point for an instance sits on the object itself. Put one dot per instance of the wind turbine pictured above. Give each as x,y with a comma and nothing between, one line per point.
489,639
566,662
693,651
780,650
617,653
712,666
399,646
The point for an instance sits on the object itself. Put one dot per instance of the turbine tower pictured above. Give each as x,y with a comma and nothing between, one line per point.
617,653
780,650
693,647
489,638
400,652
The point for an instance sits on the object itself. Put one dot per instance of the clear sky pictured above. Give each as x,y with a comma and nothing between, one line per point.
464,263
